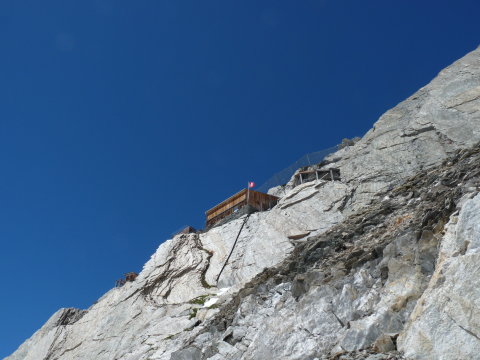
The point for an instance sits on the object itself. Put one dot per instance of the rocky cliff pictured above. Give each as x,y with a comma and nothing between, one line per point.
381,264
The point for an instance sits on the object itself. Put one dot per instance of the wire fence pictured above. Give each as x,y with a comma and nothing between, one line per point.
282,177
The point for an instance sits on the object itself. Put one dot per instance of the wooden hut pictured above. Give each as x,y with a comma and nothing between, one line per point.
259,201
131,276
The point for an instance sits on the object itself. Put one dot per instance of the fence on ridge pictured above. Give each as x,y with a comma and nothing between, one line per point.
282,177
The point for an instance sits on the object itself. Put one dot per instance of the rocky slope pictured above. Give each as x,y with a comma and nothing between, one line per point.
384,260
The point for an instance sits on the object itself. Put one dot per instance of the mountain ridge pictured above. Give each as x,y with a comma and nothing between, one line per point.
379,239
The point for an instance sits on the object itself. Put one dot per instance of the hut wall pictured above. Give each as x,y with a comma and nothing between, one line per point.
258,200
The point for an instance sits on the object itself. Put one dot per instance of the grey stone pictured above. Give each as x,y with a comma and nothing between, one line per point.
190,353
383,343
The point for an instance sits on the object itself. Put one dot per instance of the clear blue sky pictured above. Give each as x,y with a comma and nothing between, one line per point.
121,121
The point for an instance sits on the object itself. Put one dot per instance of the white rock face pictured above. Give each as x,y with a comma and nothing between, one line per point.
418,133
445,324
167,312
138,320
347,314
264,241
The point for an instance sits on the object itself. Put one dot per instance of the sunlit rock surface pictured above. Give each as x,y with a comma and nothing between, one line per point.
384,258
445,323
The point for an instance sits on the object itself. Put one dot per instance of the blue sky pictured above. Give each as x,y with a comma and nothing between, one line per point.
121,121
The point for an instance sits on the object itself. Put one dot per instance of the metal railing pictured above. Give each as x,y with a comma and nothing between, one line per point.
282,177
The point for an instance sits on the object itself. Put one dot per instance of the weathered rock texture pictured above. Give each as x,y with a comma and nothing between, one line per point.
382,264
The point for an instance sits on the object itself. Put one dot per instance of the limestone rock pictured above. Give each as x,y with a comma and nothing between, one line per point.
384,343
354,287
445,323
